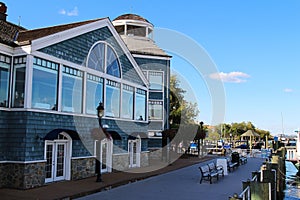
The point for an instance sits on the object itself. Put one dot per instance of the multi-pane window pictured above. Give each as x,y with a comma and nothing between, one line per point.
156,80
94,93
140,105
156,110
44,84
71,90
102,55
112,107
19,81
5,62
127,102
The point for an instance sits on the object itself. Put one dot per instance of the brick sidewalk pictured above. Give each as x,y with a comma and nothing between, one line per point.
78,188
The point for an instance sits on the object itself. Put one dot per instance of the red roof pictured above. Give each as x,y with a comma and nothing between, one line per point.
29,35
131,16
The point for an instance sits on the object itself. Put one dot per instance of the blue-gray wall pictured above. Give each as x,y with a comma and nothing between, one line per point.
22,132
162,65
76,50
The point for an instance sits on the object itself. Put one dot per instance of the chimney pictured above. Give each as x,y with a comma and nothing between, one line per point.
3,10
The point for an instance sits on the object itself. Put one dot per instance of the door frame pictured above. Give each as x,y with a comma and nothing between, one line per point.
137,154
109,153
67,160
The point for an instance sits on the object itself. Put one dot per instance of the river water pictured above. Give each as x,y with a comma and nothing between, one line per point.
292,191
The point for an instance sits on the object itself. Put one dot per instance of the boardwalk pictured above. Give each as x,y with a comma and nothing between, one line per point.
182,184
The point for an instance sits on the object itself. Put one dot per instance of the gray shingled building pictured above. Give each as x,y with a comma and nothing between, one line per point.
52,80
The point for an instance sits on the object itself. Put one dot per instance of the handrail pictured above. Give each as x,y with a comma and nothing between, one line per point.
245,194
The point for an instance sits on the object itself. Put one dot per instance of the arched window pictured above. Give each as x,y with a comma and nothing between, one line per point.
96,59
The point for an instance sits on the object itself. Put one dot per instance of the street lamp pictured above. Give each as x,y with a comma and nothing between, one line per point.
100,113
230,138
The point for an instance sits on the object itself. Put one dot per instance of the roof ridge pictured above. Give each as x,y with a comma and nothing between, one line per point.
67,24
29,35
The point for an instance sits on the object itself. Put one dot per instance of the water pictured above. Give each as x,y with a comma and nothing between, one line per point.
292,191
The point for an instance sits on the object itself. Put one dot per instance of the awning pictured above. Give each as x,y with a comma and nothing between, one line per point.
52,135
100,134
114,135
135,135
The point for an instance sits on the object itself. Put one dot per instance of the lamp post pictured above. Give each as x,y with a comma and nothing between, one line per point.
100,113
230,138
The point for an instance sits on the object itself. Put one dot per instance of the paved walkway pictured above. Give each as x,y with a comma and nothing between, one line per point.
182,184
78,188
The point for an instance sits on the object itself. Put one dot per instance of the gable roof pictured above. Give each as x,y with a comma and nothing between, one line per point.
26,36
9,33
15,36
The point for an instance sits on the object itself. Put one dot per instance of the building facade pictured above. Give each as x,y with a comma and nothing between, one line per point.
137,33
51,81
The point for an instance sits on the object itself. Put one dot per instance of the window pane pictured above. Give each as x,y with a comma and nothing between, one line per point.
4,83
71,91
94,93
156,80
44,88
19,87
113,67
127,103
112,107
140,106
136,31
96,57
19,81
156,110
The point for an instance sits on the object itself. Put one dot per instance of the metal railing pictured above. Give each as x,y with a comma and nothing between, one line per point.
246,193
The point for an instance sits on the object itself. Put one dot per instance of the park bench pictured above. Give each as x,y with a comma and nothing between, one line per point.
243,160
231,165
206,174
214,168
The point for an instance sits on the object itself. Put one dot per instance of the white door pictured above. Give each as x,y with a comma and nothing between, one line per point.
106,155
134,149
56,161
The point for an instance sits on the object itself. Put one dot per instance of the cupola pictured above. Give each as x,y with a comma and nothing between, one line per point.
133,25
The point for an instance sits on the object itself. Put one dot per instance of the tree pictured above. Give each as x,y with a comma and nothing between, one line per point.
181,111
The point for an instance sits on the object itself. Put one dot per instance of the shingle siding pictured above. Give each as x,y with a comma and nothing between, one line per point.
158,65
22,134
76,51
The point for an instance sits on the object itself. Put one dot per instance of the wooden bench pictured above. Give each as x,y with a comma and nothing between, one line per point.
231,165
214,168
206,174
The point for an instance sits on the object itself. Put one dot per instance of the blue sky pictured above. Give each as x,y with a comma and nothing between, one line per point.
254,44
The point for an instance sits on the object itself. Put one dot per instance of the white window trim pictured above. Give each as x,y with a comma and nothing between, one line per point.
28,81
163,80
85,70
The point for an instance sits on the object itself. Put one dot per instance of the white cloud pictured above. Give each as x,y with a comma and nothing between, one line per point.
232,77
288,90
73,12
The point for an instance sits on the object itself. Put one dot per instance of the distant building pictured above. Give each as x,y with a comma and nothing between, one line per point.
51,81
